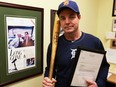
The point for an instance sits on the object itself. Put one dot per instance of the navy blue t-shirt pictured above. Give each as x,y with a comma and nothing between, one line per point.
64,58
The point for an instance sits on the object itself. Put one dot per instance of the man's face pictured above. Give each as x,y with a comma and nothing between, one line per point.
69,20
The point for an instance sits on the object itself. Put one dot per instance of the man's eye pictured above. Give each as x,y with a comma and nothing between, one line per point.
62,18
72,17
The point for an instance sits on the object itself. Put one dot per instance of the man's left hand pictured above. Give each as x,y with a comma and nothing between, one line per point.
91,83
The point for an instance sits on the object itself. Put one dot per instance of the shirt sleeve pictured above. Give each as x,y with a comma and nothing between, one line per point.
46,74
103,72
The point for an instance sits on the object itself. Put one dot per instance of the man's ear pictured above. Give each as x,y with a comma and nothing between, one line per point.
79,16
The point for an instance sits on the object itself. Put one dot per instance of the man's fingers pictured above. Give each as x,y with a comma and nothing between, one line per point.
53,80
91,82
48,83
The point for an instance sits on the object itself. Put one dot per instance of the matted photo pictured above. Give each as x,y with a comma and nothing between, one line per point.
21,43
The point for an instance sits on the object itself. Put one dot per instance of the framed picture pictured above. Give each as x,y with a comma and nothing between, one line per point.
52,16
82,68
21,42
114,8
113,44
52,23
114,25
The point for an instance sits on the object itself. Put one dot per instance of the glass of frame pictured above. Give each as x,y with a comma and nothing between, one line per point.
114,8
21,42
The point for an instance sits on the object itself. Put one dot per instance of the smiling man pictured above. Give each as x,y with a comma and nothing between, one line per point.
69,16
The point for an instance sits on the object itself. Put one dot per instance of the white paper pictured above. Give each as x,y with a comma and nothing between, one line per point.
87,68
110,35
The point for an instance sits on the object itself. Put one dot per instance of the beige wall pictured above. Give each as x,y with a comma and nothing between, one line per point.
95,19
89,15
105,20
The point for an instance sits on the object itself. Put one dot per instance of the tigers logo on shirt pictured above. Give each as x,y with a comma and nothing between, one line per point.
73,52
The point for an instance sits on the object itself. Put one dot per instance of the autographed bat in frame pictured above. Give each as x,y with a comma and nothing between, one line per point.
55,35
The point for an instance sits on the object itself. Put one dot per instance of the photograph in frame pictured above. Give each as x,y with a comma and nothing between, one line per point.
82,68
21,42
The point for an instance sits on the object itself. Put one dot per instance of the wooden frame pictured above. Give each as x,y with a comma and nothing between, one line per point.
114,8
52,24
52,12
22,61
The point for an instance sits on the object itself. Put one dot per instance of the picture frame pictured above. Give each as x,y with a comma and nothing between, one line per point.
114,25
82,68
113,44
24,26
52,16
52,12
114,8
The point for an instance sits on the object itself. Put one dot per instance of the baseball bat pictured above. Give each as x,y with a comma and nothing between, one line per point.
55,35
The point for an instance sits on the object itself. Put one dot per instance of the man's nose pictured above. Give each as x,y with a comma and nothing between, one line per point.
67,20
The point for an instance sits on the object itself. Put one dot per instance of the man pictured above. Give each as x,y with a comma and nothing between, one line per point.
69,16
15,43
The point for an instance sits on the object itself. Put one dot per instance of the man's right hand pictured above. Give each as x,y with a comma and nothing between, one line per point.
48,83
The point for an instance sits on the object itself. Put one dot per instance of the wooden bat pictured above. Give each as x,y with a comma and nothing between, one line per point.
55,35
